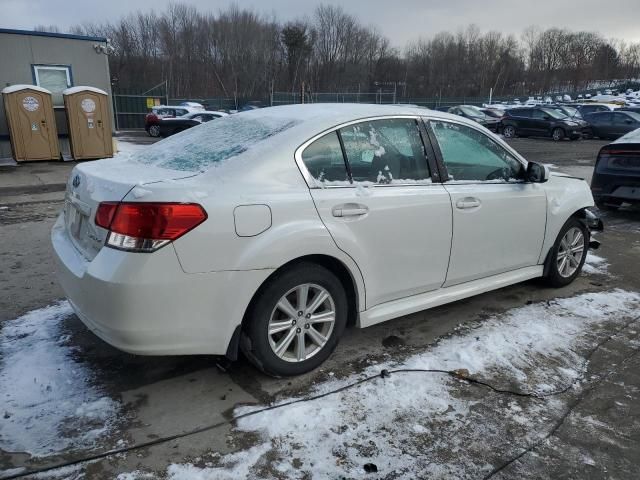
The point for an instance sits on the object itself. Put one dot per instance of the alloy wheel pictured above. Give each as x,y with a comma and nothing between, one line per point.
301,322
509,131
570,252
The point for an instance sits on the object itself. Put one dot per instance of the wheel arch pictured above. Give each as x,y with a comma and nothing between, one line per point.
333,264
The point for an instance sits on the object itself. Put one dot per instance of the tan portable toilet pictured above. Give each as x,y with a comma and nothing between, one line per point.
31,121
90,133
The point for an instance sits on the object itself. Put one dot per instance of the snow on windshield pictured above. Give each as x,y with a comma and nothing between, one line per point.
201,147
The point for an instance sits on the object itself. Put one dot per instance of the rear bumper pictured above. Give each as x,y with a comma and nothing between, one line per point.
146,304
616,187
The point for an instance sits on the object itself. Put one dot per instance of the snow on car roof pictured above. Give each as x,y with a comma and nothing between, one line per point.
17,88
317,117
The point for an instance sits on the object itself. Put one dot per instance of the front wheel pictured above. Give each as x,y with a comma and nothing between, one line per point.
568,254
296,321
557,134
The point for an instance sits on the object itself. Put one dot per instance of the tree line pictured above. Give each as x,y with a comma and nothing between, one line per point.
241,53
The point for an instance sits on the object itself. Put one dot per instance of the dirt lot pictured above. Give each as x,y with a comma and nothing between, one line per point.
150,412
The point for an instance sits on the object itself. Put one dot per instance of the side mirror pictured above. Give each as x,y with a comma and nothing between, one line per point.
547,117
537,172
628,121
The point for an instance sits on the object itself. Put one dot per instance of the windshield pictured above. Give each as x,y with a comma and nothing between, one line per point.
554,113
201,147
472,111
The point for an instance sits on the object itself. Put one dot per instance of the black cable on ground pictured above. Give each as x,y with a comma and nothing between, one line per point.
460,374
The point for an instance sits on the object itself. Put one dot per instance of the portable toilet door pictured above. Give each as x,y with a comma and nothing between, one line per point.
90,133
31,121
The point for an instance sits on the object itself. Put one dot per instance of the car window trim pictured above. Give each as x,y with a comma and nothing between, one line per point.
445,173
312,183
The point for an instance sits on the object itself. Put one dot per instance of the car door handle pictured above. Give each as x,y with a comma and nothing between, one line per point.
467,202
349,210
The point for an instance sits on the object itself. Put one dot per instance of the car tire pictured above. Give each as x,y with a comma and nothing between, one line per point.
269,327
509,131
154,131
557,134
564,264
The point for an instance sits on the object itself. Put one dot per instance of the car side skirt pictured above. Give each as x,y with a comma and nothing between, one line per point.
423,301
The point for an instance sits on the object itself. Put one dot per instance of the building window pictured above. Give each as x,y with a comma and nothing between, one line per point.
55,78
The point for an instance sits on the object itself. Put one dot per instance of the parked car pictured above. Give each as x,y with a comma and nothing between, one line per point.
616,175
269,231
587,108
152,119
611,125
541,122
475,114
169,126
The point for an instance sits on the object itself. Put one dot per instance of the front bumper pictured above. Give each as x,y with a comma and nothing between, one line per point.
146,304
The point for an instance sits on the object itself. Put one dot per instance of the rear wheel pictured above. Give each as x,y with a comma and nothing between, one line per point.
509,131
568,254
557,134
296,321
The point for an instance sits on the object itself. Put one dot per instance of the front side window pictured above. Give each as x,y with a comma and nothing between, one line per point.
55,79
386,151
324,161
522,112
471,156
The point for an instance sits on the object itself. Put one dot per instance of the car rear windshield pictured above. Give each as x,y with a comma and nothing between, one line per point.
201,147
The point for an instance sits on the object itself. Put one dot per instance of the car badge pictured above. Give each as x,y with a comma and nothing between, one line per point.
76,181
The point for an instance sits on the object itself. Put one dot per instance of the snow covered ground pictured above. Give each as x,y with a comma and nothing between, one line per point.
49,401
426,422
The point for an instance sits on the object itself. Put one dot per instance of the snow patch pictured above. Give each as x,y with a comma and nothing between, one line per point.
49,402
594,264
375,422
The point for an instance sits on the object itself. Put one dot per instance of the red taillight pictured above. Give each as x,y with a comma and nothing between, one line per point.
147,226
105,213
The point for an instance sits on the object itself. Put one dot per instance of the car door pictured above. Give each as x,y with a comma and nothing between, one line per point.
522,116
623,123
498,219
540,122
374,188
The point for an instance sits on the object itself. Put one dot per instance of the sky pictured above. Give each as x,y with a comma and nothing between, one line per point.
400,20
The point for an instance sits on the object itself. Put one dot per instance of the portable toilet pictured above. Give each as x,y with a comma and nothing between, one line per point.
90,132
31,121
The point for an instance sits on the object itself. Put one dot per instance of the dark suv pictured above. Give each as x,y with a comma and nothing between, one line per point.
541,122
616,175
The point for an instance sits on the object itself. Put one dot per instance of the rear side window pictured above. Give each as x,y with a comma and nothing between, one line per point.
471,156
521,112
324,160
386,151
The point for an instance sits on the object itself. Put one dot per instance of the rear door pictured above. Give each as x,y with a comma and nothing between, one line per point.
522,116
498,219
374,189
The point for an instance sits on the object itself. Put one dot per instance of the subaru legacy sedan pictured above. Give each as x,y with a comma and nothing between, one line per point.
271,230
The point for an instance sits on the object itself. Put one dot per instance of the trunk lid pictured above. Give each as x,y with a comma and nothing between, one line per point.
101,181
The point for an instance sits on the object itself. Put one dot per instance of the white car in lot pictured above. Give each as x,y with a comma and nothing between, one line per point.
271,230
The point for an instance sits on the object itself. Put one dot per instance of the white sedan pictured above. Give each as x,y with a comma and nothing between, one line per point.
271,230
